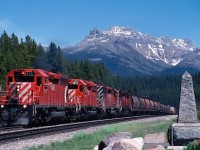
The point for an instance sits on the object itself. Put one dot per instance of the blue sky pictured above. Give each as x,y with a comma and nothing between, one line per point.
67,22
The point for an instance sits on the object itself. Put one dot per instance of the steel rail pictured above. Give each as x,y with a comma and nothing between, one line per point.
8,129
66,127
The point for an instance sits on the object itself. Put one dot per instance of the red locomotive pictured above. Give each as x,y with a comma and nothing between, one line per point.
35,96
82,99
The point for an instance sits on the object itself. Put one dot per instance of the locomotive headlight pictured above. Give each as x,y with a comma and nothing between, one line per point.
24,106
2,106
17,88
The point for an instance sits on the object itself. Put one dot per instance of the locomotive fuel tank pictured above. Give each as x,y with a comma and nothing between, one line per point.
56,116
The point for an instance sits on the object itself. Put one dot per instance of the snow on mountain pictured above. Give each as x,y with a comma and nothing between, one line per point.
167,50
184,44
117,41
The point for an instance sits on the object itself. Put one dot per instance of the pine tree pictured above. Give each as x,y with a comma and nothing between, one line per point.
60,61
51,57
40,60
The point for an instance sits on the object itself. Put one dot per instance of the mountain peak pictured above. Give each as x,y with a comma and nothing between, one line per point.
94,31
165,49
120,31
127,50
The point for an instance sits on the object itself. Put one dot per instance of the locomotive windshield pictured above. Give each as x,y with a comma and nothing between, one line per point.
21,76
72,86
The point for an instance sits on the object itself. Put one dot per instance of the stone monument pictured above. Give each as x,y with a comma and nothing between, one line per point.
186,129
187,107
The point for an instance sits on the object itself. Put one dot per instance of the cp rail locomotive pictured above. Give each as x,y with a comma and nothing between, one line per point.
35,96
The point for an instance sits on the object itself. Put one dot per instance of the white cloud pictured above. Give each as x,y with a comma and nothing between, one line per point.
4,24
10,28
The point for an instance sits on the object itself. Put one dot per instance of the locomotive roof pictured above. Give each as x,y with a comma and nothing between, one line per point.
39,71
51,74
90,83
77,81
42,72
108,88
83,82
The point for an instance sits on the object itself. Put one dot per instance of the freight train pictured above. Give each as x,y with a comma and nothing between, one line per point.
35,96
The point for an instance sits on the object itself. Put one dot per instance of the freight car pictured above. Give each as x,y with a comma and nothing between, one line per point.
35,96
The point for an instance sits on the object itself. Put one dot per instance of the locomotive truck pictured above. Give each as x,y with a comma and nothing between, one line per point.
35,96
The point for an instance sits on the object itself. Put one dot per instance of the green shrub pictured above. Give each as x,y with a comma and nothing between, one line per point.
193,146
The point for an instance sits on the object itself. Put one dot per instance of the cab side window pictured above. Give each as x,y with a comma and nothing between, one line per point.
39,81
81,88
94,89
10,79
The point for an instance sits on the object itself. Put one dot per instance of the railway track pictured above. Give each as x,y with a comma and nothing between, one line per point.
22,133
9,129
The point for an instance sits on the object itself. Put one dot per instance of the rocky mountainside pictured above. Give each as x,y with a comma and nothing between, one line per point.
191,63
129,52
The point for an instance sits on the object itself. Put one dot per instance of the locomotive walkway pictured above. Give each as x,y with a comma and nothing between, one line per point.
22,133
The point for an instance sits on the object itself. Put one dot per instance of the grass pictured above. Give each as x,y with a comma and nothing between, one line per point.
193,146
82,141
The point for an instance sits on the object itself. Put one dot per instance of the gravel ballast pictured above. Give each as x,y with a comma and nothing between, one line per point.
47,139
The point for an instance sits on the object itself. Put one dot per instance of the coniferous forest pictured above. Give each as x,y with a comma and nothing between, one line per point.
26,53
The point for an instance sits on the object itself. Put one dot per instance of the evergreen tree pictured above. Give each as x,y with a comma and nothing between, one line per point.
60,61
31,47
51,57
57,63
40,60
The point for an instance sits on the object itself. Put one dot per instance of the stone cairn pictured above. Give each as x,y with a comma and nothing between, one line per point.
186,129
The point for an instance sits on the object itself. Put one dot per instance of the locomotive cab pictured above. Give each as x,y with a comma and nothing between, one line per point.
23,86
20,86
